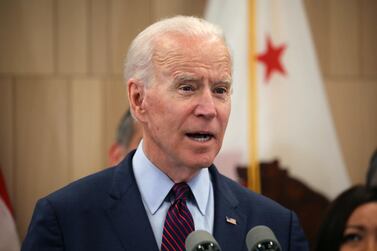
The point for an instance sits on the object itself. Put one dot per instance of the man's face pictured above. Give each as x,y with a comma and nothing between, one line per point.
187,104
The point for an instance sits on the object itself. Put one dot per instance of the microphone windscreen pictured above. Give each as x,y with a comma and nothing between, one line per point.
201,240
262,238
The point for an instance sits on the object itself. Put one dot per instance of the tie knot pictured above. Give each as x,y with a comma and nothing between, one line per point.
181,191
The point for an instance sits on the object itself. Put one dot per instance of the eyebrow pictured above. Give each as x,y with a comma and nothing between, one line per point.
358,227
190,78
225,81
186,78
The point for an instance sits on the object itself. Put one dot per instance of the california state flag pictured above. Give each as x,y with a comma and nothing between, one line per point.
8,235
279,105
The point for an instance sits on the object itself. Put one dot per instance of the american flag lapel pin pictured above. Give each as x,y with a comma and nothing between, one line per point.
231,220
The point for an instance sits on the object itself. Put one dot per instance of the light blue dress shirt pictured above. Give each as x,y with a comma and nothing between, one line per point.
154,187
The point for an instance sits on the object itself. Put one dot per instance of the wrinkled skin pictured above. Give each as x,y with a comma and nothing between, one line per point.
185,109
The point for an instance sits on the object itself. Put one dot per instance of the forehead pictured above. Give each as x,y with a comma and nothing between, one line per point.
365,213
177,52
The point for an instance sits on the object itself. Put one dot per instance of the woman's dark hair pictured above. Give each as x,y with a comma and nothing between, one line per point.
331,231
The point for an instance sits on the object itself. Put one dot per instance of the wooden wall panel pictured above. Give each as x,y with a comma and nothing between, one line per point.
42,161
99,61
26,36
318,13
345,99
6,133
344,57
72,35
127,19
369,38
87,127
115,107
168,8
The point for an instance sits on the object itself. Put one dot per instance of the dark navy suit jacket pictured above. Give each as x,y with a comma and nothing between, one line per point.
104,211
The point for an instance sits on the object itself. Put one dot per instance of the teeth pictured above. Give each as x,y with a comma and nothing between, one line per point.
200,137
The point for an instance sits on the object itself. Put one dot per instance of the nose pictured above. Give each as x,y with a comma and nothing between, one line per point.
372,244
206,106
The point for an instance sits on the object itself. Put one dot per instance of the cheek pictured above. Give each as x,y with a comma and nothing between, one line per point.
344,248
225,113
154,106
355,246
161,113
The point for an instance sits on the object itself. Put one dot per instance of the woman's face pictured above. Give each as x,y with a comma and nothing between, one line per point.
361,229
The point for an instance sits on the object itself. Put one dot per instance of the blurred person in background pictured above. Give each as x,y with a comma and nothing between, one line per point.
351,222
372,171
128,136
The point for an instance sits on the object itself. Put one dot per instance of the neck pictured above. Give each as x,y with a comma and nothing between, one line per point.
176,172
178,175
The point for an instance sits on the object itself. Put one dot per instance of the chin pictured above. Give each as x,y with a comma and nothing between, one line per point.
202,162
199,159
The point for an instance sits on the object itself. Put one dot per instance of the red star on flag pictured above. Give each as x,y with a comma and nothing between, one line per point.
271,58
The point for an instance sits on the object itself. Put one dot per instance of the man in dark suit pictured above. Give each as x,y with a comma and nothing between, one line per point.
178,73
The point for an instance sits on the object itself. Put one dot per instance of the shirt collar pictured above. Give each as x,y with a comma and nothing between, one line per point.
151,179
200,187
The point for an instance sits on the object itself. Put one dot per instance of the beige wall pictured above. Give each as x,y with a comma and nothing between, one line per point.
61,89
345,35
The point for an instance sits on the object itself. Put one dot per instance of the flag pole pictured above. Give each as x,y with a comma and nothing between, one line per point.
253,170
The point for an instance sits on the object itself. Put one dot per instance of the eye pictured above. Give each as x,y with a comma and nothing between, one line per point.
352,237
221,90
186,88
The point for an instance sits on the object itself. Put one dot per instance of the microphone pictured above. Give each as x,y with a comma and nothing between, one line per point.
201,240
262,238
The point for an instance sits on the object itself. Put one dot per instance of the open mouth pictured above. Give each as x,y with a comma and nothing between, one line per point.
200,137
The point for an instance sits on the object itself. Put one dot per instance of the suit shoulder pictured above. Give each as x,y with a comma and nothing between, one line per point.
90,186
248,198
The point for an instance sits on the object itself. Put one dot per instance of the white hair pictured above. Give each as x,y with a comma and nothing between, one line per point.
138,64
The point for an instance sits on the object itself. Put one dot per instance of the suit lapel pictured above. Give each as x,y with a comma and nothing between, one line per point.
127,214
126,210
230,223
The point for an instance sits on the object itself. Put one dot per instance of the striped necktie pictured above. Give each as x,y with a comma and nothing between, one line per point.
179,222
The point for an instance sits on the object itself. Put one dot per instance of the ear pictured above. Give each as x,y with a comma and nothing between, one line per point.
116,154
136,98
